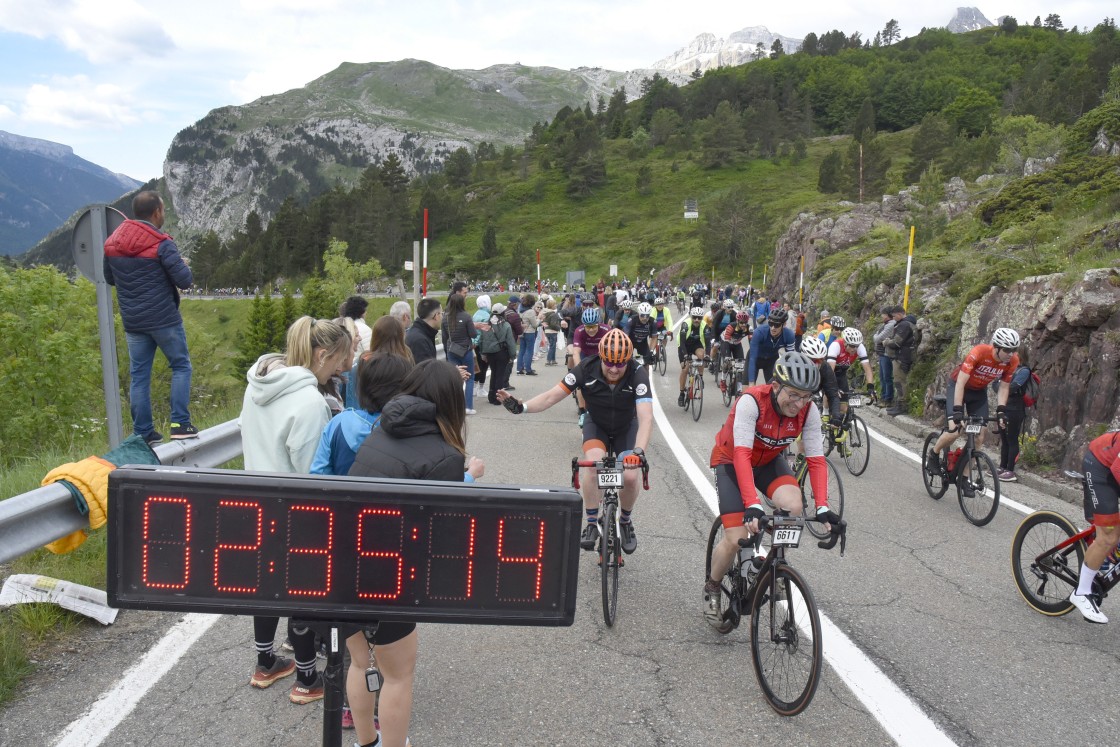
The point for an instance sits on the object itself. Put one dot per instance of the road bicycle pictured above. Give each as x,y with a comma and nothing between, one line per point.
661,360
731,379
967,468
1046,557
785,625
694,387
609,478
800,467
854,441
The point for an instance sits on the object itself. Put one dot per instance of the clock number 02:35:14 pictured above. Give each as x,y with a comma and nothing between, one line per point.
248,518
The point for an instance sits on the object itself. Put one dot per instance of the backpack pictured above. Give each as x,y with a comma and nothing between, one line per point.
1027,382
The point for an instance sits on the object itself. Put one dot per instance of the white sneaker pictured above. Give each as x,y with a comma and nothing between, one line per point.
1088,608
471,412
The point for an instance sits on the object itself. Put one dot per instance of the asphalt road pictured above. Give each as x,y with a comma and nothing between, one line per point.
945,650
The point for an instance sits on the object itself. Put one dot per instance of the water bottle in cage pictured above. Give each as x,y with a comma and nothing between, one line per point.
954,455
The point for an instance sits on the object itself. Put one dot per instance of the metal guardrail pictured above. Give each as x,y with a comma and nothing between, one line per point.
37,517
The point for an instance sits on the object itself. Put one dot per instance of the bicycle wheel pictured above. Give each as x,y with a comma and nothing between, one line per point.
828,443
785,640
728,583
609,555
662,360
835,500
727,388
1045,578
981,507
858,451
936,485
698,397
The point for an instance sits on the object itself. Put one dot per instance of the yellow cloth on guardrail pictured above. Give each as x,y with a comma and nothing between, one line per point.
91,477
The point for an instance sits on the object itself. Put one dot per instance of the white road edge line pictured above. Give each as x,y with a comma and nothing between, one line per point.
98,722
899,716
1015,505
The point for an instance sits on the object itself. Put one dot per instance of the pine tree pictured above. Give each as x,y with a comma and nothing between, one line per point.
260,336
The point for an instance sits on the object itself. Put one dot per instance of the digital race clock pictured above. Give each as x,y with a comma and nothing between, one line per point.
341,548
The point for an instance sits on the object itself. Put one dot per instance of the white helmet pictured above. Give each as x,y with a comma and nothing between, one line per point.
729,304
659,302
696,311
1005,338
852,336
644,309
814,347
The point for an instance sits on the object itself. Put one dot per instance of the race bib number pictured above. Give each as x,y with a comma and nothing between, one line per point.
610,478
790,537
854,400
972,428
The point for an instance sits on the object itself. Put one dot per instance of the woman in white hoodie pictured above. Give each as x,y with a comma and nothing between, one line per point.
282,416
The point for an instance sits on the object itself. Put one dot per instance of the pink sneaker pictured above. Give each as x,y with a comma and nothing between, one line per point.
347,718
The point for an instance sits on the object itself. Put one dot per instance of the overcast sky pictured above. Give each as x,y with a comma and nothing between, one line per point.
116,79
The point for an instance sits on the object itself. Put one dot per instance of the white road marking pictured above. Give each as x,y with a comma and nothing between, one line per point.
899,716
1020,507
113,706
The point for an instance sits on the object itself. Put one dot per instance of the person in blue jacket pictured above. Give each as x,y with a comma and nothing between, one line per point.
767,343
145,265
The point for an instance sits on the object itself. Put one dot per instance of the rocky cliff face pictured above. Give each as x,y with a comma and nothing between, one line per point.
968,19
1070,328
707,51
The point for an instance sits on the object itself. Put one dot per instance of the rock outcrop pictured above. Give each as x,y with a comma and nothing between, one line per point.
968,19
707,51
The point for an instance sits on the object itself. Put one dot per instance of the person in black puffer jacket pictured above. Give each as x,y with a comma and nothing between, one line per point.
420,438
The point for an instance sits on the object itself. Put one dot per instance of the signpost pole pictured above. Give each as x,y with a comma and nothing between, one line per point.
424,287
909,261
415,276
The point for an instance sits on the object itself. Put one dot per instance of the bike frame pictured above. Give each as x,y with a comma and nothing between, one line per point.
970,443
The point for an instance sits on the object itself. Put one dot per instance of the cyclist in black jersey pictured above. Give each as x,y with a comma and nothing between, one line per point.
641,330
620,409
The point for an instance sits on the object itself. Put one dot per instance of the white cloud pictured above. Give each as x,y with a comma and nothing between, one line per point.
77,103
6,113
103,31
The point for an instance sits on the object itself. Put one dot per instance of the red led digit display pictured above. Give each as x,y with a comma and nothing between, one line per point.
166,559
239,573
450,556
380,527
341,548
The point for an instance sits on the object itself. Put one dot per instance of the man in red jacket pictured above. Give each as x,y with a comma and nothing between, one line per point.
147,269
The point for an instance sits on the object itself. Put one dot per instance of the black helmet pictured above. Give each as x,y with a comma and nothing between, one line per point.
779,316
798,371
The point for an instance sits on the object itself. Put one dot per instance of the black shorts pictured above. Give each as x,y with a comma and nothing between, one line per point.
732,349
767,478
595,437
975,401
1102,507
688,347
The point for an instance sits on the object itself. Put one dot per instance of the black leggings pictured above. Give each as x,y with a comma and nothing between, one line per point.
1009,442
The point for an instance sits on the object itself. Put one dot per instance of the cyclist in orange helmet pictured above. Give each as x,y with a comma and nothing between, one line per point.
620,410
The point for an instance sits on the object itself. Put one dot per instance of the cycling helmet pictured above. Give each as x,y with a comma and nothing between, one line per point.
729,304
742,316
1005,338
779,316
659,302
627,304
590,316
852,337
837,323
616,347
696,311
814,348
798,371
644,309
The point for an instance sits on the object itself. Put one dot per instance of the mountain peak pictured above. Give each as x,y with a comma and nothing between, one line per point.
968,19
708,51
34,145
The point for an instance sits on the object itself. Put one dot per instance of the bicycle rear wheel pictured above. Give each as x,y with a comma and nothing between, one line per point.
609,561
662,360
835,499
698,397
729,582
938,484
980,508
785,640
1046,577
858,451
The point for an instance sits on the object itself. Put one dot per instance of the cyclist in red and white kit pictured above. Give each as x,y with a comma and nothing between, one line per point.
843,352
731,342
1101,469
746,458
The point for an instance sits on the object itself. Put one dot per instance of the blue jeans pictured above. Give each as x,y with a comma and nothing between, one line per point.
468,361
526,350
551,337
886,378
172,341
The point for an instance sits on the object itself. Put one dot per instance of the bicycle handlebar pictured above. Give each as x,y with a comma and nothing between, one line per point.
609,463
837,532
968,420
